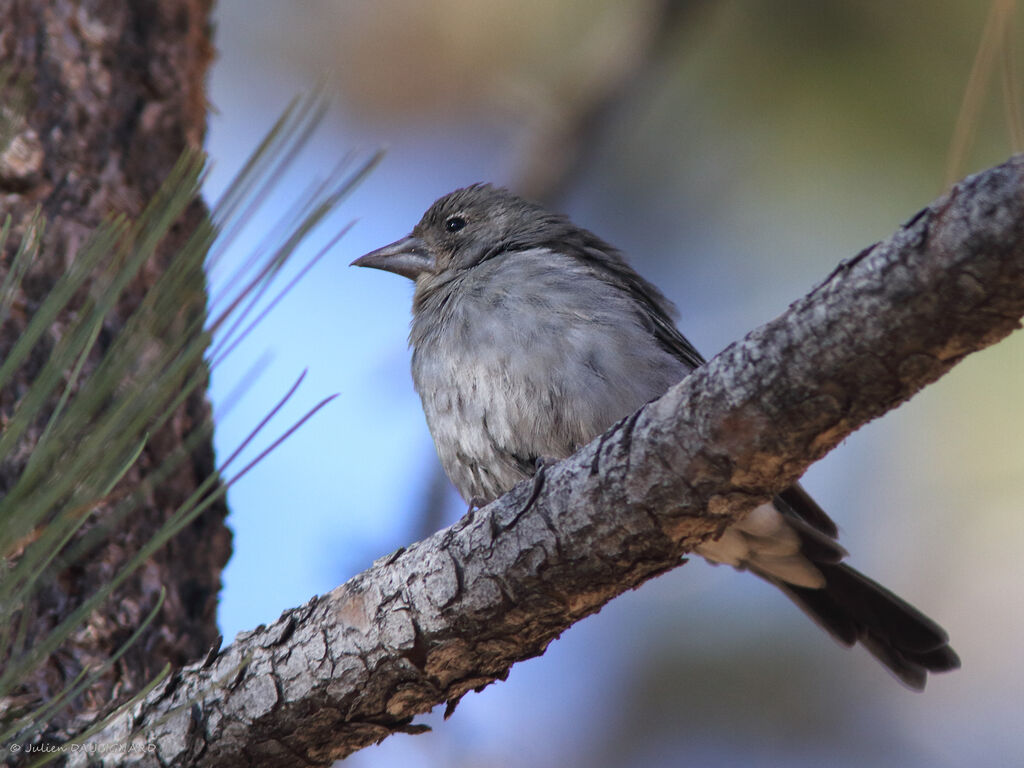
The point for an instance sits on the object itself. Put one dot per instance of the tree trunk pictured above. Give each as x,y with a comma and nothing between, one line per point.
115,93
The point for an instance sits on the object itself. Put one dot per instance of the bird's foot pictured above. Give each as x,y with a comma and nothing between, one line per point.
541,465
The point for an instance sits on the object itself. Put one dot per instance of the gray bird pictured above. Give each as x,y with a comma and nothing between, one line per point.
531,336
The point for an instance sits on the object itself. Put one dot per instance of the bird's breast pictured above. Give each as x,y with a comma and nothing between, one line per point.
529,359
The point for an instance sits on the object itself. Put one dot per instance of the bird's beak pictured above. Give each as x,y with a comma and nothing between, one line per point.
407,257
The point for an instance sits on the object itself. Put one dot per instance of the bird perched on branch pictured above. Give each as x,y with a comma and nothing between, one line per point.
531,336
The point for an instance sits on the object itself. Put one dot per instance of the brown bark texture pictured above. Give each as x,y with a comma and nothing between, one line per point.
451,614
114,94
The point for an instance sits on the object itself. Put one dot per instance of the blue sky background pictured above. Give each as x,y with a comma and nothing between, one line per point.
750,164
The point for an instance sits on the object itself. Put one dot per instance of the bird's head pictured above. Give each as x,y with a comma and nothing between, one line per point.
464,228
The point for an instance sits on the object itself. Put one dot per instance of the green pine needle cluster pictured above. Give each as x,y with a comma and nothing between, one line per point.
104,417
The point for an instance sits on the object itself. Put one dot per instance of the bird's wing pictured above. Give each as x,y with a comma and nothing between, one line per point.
794,503
656,309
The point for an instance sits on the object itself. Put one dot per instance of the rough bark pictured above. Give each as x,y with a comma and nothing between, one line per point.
115,92
453,612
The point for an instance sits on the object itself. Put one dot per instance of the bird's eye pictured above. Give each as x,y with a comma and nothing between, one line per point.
454,223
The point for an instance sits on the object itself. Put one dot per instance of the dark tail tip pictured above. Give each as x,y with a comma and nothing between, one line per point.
853,608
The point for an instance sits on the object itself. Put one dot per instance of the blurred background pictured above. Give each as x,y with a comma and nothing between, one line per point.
736,151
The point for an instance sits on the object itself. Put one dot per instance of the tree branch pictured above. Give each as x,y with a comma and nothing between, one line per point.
453,612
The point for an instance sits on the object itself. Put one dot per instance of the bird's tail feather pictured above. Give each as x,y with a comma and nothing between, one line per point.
790,543
853,608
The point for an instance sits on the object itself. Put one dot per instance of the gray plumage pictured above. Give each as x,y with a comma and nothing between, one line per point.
531,336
